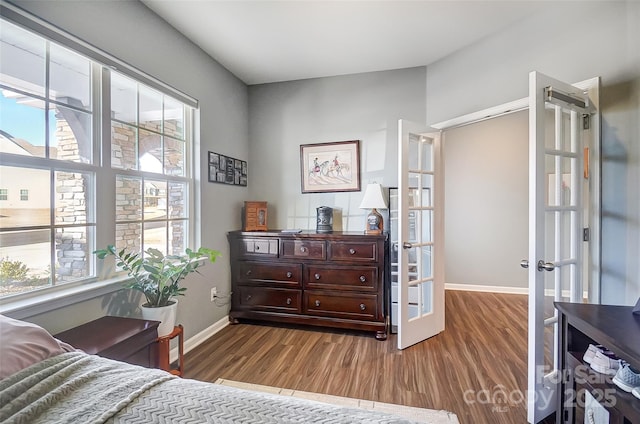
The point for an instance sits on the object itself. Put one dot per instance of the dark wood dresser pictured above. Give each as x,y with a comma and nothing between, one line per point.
324,279
124,339
614,327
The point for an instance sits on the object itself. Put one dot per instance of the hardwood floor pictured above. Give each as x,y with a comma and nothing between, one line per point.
476,368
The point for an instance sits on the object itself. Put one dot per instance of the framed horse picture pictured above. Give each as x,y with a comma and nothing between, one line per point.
327,167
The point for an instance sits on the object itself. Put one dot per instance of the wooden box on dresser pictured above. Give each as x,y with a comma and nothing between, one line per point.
324,279
614,327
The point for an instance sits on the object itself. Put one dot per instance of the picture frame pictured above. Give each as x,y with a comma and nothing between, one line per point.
227,170
330,167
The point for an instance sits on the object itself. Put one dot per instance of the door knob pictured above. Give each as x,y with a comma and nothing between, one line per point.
524,263
545,266
407,245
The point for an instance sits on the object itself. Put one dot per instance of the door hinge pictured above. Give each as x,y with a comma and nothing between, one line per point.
586,121
586,234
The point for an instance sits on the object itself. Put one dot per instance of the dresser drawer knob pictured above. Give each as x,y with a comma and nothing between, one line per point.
288,301
303,249
248,297
257,247
317,303
289,274
363,278
249,272
317,276
362,307
352,251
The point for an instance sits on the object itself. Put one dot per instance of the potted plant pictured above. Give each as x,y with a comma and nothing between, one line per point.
158,278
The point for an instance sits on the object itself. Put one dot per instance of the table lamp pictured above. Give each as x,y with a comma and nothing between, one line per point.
373,199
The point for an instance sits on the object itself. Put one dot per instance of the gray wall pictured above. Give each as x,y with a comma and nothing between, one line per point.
364,107
572,44
164,53
487,199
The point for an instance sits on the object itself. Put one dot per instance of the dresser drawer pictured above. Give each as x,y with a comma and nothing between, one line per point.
343,305
355,278
264,272
353,251
258,247
307,249
269,299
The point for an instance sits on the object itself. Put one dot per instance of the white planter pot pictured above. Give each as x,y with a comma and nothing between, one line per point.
165,314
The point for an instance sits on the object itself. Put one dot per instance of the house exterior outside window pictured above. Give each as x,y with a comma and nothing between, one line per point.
51,137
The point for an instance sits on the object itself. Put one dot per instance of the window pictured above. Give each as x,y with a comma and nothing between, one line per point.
50,139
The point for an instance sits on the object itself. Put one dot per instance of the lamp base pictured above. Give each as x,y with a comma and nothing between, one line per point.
374,224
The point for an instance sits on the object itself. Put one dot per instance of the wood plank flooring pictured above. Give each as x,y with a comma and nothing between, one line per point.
476,368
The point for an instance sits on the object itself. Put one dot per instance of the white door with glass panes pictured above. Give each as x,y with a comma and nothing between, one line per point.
558,185
420,235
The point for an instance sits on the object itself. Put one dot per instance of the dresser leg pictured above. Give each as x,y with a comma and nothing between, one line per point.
381,335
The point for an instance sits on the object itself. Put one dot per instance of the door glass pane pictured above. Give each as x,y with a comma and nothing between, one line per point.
150,152
71,136
22,59
426,225
25,261
427,262
124,146
128,198
69,78
426,199
426,292
413,153
17,138
73,253
28,197
565,234
412,260
427,154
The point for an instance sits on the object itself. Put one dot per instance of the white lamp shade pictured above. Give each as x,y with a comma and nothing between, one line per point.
373,198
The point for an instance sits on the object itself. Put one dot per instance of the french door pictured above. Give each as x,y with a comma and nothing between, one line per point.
420,234
557,181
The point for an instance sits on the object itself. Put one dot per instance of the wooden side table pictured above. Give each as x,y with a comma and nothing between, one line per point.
164,349
123,339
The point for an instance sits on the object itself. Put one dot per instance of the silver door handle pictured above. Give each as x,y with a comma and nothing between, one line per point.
524,263
407,245
545,266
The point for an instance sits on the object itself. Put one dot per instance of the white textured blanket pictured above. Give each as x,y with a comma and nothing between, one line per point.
79,388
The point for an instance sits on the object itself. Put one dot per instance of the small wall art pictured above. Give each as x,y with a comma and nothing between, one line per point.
227,170
327,167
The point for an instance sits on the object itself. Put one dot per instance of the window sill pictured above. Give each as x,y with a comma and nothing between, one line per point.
26,306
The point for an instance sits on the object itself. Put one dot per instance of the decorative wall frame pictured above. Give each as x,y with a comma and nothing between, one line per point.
327,167
227,170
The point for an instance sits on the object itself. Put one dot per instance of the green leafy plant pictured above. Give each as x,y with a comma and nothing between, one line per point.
12,271
155,275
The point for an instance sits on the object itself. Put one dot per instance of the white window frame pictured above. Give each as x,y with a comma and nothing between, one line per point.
50,298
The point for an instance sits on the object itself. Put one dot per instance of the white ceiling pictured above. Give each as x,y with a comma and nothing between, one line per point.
267,41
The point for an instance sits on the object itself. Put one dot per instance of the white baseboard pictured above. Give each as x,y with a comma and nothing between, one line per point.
491,289
198,339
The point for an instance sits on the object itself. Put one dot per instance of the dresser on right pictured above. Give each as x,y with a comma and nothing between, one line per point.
614,327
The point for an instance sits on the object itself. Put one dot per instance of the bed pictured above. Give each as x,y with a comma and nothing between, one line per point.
43,380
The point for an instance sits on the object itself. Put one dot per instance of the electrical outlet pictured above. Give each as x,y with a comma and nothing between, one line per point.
214,293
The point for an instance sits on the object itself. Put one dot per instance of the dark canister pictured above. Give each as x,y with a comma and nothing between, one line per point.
324,219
